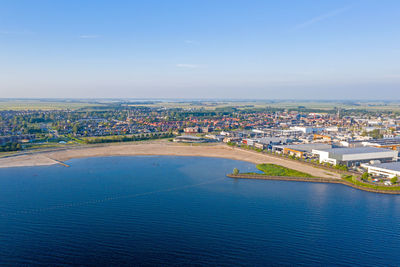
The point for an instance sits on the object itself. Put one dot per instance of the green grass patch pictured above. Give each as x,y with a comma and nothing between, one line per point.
125,138
277,170
44,105
378,187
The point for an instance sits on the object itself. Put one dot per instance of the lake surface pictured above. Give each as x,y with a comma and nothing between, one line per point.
162,210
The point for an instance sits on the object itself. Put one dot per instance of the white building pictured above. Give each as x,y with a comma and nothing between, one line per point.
351,143
389,170
249,141
307,130
188,139
355,156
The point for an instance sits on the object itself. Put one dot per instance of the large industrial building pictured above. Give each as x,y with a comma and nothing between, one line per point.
389,170
355,156
391,143
299,150
307,130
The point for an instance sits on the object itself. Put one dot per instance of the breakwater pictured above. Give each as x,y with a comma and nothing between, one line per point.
313,180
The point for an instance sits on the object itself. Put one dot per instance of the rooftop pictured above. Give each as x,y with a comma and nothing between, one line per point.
387,141
307,147
188,137
394,166
356,150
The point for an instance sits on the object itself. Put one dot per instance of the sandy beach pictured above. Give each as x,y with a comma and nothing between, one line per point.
159,148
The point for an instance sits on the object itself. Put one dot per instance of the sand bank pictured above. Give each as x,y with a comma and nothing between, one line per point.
159,148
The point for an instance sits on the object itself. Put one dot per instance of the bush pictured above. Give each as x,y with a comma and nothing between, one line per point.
235,171
365,176
10,147
277,170
341,167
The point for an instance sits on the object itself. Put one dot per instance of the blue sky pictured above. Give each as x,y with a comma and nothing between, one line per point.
200,49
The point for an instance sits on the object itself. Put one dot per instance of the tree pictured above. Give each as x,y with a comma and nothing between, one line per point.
376,134
394,180
341,167
235,171
75,129
365,176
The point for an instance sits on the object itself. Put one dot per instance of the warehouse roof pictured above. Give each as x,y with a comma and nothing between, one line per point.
307,147
394,166
388,141
356,150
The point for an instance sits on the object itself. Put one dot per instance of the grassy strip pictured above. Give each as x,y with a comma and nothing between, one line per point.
125,138
377,187
277,170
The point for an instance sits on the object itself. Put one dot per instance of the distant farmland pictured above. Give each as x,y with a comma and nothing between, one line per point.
44,105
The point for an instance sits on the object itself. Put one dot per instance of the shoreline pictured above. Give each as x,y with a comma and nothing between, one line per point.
160,148
43,158
312,180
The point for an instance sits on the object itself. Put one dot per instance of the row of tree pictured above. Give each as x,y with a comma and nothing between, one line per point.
10,147
124,138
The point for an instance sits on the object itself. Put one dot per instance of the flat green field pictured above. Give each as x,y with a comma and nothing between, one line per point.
277,170
320,105
43,105
328,105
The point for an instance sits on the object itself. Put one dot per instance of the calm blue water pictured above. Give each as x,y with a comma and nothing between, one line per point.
156,210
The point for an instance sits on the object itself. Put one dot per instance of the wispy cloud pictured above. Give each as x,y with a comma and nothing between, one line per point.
190,42
322,17
187,66
89,36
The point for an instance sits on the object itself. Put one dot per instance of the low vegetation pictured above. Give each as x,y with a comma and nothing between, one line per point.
10,147
277,170
44,105
112,139
354,180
